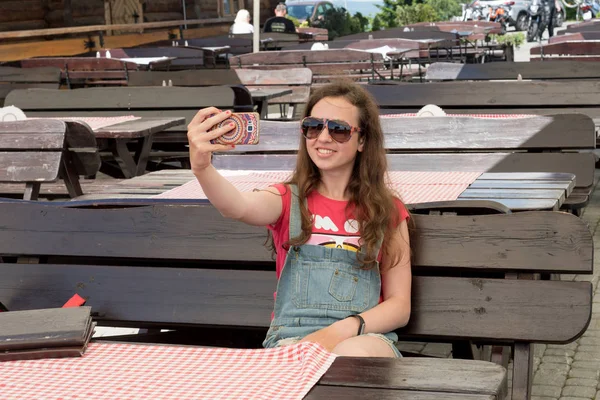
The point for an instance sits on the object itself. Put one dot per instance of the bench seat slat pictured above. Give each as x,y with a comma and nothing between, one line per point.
362,393
417,374
30,166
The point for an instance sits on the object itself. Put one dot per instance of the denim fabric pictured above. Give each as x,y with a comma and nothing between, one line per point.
319,286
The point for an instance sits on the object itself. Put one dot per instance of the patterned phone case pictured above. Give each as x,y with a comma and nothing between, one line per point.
245,131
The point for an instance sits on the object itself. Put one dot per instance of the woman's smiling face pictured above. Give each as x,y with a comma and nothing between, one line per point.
326,153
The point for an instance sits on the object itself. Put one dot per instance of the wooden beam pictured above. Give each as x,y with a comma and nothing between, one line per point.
70,47
108,16
104,28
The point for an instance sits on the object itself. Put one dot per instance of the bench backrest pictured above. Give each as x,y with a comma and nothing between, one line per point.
88,70
201,77
22,78
297,79
548,70
336,62
583,50
44,150
167,265
185,57
139,101
575,36
592,25
533,144
529,97
400,33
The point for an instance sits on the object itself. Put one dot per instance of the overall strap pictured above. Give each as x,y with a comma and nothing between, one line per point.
295,213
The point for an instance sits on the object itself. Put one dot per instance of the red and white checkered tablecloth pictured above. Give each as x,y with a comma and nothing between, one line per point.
411,186
137,371
97,122
485,116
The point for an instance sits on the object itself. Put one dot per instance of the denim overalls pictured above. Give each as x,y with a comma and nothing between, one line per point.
319,286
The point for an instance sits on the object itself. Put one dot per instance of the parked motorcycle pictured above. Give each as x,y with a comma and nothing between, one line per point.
499,14
537,23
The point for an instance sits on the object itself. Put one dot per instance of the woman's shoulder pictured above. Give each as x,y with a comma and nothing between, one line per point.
402,210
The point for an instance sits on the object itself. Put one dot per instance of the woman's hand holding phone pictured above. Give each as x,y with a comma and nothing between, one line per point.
200,134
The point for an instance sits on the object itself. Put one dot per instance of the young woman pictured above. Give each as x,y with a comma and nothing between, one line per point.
341,236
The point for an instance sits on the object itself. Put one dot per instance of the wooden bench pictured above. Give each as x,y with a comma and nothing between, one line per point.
39,151
587,26
139,101
576,36
172,266
582,50
548,70
21,78
86,71
325,65
297,79
535,144
179,57
540,98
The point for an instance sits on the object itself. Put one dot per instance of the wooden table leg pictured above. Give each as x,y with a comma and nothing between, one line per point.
70,176
32,191
142,153
121,153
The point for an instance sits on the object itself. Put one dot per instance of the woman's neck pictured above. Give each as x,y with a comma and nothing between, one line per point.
333,184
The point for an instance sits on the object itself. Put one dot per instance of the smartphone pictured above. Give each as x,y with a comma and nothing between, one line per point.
245,131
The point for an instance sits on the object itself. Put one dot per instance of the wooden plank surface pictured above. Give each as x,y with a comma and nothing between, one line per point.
299,57
452,133
122,98
483,95
29,166
204,77
361,393
82,234
30,75
488,309
511,70
570,48
138,128
582,165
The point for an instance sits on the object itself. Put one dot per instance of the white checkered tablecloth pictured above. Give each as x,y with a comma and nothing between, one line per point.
136,371
97,122
490,116
411,186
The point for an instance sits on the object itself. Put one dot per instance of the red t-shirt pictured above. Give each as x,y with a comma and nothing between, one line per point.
332,226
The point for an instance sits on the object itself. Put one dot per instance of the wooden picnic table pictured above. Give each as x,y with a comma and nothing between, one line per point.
261,98
517,191
141,131
116,137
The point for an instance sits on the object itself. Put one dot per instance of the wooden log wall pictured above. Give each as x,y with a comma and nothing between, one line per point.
83,12
22,14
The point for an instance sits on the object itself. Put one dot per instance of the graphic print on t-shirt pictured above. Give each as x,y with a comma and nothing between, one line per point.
327,233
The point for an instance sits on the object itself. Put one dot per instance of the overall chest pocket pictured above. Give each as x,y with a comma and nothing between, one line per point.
327,285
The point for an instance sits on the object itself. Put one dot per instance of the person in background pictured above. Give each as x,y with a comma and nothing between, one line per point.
279,23
242,24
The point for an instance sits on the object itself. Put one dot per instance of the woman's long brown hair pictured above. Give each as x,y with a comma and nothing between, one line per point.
372,199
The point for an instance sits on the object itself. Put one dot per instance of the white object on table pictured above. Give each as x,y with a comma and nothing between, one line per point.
11,113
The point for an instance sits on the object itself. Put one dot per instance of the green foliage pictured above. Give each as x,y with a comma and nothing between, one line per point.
294,20
387,16
516,39
376,25
420,12
445,9
339,22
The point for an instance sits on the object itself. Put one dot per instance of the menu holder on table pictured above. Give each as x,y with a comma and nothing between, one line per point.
46,333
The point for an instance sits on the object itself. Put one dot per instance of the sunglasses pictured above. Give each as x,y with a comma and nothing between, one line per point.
340,131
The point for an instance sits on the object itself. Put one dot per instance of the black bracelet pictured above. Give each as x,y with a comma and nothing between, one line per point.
361,326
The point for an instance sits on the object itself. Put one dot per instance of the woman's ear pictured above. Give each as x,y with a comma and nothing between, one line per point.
361,143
